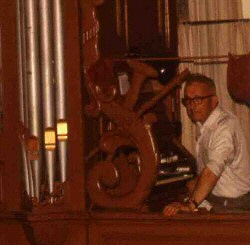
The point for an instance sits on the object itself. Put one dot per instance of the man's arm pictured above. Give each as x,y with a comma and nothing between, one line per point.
191,185
204,185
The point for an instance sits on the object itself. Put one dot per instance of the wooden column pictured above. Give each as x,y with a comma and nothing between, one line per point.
74,81
9,142
11,231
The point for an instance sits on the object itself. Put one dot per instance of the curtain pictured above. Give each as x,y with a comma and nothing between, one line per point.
216,39
214,9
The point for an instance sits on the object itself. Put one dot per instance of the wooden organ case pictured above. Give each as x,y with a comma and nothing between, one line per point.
139,160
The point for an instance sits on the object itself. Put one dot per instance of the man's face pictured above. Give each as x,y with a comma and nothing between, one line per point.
200,101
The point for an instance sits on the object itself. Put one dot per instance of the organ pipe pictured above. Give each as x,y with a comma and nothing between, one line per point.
33,81
21,70
41,83
60,84
47,86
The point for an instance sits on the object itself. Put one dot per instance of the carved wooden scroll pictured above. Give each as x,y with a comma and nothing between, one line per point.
238,78
126,171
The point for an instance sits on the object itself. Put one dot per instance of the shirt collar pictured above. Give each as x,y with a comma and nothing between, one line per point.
212,118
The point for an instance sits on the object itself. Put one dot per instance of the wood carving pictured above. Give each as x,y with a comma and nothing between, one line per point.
90,29
125,174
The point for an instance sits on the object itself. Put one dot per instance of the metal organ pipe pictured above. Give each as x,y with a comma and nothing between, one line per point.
33,80
21,70
42,67
24,115
48,89
60,87
21,59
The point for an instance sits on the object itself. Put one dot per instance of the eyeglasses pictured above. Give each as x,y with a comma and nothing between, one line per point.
196,100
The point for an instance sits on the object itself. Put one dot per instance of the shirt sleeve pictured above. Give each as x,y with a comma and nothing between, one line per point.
221,149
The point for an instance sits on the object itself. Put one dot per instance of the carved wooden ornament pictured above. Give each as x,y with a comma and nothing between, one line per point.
125,174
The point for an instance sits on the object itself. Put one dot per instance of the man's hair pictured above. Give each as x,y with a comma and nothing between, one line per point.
197,77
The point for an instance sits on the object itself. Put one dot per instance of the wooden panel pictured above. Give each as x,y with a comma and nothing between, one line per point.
74,105
135,229
147,25
138,27
56,228
110,41
11,231
9,141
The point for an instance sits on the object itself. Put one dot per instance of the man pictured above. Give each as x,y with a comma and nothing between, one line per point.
223,161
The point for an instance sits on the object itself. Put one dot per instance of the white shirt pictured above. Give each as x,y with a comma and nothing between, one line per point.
221,146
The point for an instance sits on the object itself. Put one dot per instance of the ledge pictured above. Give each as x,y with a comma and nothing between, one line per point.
144,216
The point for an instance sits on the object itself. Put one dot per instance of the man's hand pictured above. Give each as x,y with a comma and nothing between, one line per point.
173,208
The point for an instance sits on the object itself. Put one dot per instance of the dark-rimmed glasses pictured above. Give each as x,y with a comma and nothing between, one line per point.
196,100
